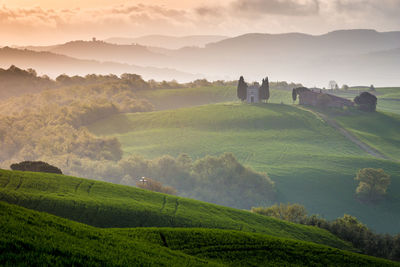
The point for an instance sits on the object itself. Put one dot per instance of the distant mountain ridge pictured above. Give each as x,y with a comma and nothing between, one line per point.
357,56
168,42
339,55
55,64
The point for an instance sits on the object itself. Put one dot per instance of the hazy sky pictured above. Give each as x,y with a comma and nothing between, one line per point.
55,21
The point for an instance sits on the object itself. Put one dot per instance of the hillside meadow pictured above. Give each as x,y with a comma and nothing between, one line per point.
310,162
24,242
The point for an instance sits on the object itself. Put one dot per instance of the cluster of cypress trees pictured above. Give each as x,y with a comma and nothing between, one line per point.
242,89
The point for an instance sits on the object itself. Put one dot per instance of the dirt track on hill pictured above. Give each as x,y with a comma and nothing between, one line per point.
373,152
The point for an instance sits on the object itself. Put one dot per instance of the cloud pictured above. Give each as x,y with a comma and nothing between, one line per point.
382,7
36,22
208,11
277,7
38,25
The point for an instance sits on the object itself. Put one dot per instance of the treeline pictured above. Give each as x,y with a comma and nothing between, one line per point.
49,124
15,82
347,228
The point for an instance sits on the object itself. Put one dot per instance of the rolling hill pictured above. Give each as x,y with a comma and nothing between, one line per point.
55,64
105,52
310,162
108,205
23,241
343,55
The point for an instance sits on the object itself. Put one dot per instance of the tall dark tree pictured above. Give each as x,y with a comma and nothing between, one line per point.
366,101
242,89
294,94
264,90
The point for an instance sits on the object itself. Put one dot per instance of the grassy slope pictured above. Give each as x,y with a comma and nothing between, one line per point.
109,205
310,162
379,130
30,238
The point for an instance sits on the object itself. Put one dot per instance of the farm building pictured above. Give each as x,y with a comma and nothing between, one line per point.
318,98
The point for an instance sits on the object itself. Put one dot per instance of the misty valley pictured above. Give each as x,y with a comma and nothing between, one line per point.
202,151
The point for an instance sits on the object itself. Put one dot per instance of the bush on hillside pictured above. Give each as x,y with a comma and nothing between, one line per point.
289,212
35,166
153,185
366,102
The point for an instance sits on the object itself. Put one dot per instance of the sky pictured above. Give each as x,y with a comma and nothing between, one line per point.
42,22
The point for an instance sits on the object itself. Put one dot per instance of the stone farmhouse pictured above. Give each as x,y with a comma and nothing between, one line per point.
318,98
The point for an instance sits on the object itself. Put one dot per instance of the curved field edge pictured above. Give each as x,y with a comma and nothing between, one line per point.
110,205
29,238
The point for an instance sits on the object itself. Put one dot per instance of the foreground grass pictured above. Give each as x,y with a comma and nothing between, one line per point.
108,205
311,163
30,238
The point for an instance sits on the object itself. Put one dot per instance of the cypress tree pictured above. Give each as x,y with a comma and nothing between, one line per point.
294,95
264,89
242,89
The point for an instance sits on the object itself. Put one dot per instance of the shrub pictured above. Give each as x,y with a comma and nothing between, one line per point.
153,185
35,166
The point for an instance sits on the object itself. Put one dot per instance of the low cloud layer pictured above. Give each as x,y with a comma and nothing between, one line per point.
37,25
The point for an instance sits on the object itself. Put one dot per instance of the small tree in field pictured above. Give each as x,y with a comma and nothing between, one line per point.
372,87
332,85
373,184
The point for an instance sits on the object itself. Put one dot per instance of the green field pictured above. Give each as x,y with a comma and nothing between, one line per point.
311,163
103,204
30,238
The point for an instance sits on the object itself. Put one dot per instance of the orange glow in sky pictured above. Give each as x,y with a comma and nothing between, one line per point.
55,21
